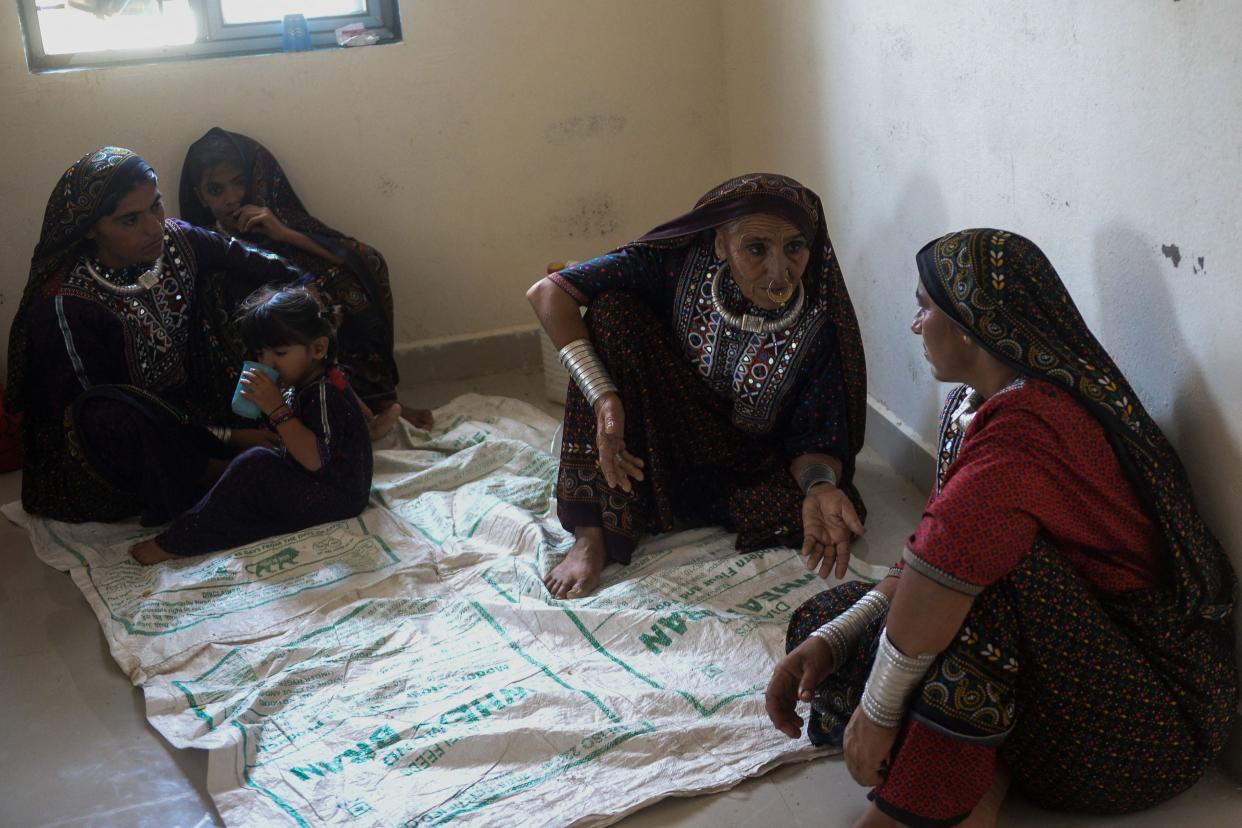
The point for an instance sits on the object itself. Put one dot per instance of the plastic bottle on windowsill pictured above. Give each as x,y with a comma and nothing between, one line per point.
296,33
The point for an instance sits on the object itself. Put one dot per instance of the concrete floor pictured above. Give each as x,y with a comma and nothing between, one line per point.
77,749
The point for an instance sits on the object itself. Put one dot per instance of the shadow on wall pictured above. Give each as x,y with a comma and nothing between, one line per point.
918,216
1137,326
882,277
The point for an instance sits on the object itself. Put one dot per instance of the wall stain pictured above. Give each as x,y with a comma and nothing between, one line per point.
1172,253
583,128
1198,267
590,217
387,186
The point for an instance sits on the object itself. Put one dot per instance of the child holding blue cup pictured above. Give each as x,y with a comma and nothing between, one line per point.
321,473
242,405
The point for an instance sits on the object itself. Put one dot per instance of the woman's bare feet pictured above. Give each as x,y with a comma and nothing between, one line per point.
578,575
418,417
983,815
987,812
382,423
149,552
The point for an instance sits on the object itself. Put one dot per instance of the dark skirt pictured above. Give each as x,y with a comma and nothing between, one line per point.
700,469
119,452
1095,705
261,494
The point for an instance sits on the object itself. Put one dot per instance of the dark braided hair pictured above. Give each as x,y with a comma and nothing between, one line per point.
275,317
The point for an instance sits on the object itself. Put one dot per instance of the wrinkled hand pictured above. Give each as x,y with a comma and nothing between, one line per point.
258,387
618,465
828,518
244,438
867,749
260,219
794,679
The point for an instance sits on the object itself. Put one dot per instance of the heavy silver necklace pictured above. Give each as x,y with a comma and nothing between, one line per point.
753,323
146,280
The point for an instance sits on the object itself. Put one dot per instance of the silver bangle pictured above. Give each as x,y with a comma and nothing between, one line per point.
586,369
221,433
894,677
816,473
843,632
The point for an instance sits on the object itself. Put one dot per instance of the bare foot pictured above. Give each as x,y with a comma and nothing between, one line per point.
987,812
149,552
983,815
578,575
873,817
418,417
382,423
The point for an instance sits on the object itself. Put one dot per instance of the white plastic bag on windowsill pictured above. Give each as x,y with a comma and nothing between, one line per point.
355,34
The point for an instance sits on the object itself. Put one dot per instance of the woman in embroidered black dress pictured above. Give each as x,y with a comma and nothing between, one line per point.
232,183
114,354
1061,611
729,385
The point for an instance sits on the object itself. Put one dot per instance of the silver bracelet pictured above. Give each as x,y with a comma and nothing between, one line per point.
588,372
894,677
843,632
221,433
816,473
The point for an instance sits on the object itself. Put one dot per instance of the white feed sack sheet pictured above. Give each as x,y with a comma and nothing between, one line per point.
408,667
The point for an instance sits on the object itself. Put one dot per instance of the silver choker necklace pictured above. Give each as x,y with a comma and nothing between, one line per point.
750,322
146,280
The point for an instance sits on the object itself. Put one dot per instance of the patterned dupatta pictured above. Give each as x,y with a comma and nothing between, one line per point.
359,286
72,210
1001,290
826,294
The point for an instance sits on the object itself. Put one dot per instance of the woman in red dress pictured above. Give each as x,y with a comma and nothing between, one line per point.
1061,612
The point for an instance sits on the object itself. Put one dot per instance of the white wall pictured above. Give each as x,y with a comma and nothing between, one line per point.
1103,131
500,135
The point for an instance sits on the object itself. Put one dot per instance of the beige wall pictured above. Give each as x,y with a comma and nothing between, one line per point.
1104,131
500,135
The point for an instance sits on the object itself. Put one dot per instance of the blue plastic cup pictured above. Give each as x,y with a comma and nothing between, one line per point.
243,407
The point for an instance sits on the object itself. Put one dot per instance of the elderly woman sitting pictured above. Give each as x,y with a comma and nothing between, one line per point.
718,378
1061,611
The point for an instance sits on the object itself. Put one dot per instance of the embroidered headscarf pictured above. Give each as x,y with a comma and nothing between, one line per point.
769,193
366,298
266,185
72,210
1001,289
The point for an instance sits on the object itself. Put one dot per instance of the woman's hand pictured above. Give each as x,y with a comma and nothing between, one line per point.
244,438
867,749
252,217
617,464
794,679
258,387
828,518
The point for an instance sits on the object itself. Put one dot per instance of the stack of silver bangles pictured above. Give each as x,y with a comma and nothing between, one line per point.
894,676
221,433
843,632
816,473
588,372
